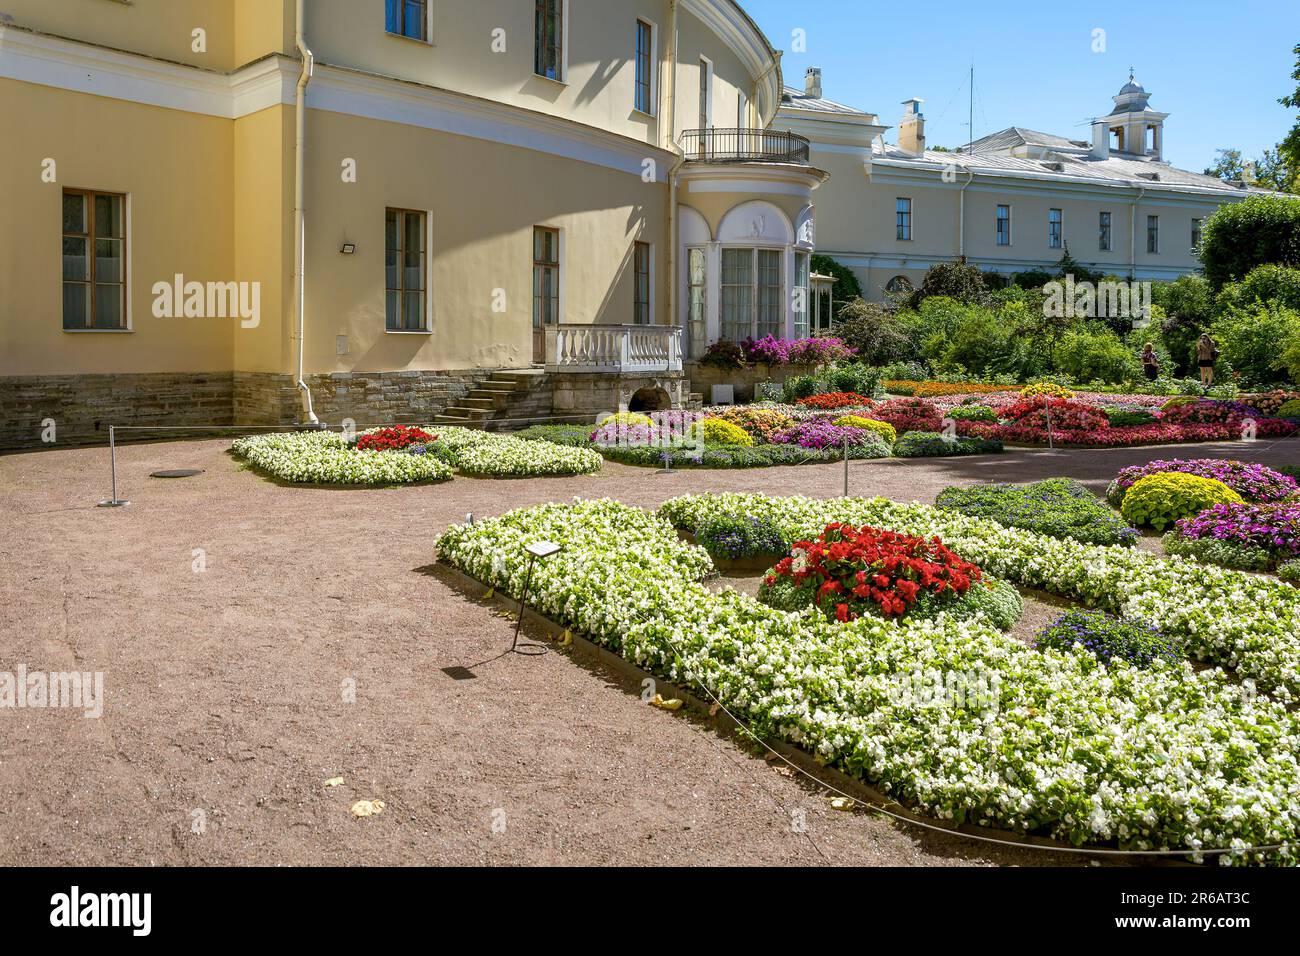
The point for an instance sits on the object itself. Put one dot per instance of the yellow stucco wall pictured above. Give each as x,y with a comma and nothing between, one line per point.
482,241
176,171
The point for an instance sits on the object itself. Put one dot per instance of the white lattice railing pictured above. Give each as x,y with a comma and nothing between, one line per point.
613,348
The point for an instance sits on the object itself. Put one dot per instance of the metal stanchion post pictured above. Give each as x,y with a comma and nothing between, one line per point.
114,501
846,466
1047,407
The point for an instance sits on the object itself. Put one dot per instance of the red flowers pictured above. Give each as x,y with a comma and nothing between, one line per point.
832,400
394,439
910,415
857,571
1067,415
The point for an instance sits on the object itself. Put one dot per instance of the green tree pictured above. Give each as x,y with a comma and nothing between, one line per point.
847,286
1256,231
1289,148
1230,166
1256,340
956,280
1273,170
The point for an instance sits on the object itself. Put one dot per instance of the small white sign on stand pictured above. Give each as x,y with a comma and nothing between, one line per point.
724,395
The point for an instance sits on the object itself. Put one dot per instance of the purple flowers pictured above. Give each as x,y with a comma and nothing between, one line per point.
820,433
774,351
1273,528
1252,481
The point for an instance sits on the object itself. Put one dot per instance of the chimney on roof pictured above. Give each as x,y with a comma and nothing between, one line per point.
911,129
1100,139
812,82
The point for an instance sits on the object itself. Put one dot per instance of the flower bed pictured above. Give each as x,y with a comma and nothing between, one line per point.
1066,414
1068,747
1161,499
488,455
324,458
1247,536
398,438
1121,437
1058,507
836,400
1253,481
760,423
910,415
938,389
933,445
819,433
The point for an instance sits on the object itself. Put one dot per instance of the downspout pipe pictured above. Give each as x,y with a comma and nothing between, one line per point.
961,215
671,137
299,213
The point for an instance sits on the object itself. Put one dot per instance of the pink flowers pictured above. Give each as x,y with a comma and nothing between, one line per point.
910,415
1251,480
1271,527
817,351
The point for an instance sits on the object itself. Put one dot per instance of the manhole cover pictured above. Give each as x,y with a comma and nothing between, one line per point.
177,473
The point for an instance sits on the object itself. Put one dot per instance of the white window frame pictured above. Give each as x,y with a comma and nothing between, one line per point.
754,286
1060,237
428,270
706,81
652,66
908,213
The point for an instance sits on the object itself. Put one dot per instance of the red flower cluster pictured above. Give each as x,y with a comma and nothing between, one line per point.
394,439
831,400
910,415
864,570
1067,414
1123,436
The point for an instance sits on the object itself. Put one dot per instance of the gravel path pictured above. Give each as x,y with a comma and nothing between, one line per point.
225,690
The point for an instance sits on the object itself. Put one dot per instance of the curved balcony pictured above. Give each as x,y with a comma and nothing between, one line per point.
717,145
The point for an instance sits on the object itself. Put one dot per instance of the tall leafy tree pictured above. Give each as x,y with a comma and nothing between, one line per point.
1289,148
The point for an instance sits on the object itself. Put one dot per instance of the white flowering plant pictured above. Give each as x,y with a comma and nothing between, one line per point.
326,458
1060,744
487,455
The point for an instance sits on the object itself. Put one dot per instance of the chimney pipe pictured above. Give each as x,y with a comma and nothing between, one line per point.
813,82
1100,139
911,130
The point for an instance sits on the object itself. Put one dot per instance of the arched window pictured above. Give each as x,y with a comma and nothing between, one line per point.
899,284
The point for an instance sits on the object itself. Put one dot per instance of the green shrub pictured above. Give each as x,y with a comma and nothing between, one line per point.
847,286
934,445
999,602
972,413
575,436
853,377
1255,232
1289,571
1289,409
1108,638
718,431
1254,340
1122,417
1266,283
883,429
625,418
1187,299
955,280
1161,499
802,386
734,537
1058,507
1096,355
1223,553
877,332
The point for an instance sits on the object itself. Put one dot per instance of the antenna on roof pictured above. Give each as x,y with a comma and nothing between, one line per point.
970,126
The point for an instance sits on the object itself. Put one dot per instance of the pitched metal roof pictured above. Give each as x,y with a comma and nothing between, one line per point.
800,100
1018,136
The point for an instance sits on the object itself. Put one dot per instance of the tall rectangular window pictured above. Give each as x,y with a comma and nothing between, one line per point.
697,277
546,277
1004,225
771,293
404,271
1196,234
803,302
1054,228
737,294
1153,234
641,294
548,50
94,258
1103,232
706,77
644,66
407,18
903,218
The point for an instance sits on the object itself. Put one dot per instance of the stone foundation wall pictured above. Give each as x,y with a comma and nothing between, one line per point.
704,377
368,398
83,406
580,394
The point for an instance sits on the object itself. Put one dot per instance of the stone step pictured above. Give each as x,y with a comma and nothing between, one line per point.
490,403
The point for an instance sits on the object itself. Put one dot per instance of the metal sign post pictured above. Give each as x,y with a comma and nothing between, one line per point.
846,466
539,549
114,501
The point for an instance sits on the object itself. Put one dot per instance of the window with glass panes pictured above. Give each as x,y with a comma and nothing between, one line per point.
903,218
405,271
697,271
644,58
1196,234
548,50
1054,228
753,293
1153,234
803,294
641,271
407,18
94,260
546,277
1103,232
1004,225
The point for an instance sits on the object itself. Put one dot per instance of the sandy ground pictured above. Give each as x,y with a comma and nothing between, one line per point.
225,690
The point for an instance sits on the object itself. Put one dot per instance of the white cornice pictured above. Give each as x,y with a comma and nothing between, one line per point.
85,68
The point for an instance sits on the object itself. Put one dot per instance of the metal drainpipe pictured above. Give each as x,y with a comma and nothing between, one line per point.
671,110
299,216
961,216
1132,235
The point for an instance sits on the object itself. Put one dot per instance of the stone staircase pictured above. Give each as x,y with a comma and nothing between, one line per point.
504,401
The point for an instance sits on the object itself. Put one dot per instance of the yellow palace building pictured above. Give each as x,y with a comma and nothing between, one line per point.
269,211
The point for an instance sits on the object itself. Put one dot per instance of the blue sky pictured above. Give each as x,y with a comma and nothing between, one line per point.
1216,68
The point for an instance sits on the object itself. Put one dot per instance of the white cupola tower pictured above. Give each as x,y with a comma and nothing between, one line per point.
1133,127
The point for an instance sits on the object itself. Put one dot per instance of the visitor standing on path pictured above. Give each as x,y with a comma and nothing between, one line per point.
1150,362
1207,353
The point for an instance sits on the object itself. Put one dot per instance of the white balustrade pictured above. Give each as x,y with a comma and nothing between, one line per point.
613,348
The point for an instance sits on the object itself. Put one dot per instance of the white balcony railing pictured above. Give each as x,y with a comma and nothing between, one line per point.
613,348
